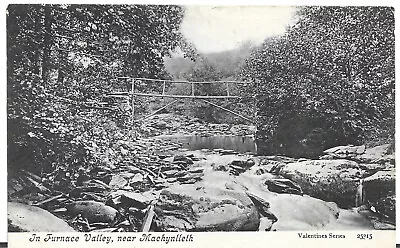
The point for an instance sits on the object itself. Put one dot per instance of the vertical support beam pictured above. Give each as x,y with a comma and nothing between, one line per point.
192,89
133,99
227,88
163,89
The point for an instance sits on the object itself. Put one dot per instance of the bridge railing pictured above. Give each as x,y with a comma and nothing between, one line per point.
163,88
134,85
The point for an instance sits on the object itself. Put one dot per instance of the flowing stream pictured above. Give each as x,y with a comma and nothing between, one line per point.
282,204
241,144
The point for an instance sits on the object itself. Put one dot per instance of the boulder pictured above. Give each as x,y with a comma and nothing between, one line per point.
292,212
206,208
133,199
93,211
240,166
244,163
196,170
220,167
241,163
250,162
228,152
117,182
295,212
379,193
382,225
283,186
138,178
378,154
26,218
329,180
170,173
376,220
262,206
269,166
190,177
236,169
183,159
345,151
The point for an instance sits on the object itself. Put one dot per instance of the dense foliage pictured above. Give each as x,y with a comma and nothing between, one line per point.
328,81
61,60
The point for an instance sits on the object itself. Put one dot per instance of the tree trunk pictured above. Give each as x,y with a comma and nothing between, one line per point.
61,69
39,39
47,43
12,33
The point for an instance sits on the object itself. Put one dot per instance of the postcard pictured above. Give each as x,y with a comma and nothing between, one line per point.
147,125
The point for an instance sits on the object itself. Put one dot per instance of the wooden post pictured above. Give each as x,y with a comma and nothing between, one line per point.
192,89
163,89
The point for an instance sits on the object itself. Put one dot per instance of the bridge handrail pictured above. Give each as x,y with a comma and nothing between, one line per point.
134,94
184,81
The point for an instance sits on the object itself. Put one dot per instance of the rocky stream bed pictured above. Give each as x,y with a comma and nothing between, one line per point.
162,186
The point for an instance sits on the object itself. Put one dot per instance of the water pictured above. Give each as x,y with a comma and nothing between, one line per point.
360,194
294,212
240,144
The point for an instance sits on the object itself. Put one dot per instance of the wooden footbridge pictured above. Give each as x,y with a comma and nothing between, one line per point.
133,86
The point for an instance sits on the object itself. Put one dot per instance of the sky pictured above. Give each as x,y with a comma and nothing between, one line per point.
219,28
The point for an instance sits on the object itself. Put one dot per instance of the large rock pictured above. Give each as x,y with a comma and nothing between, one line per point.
329,180
295,212
239,166
117,182
132,199
93,211
379,192
377,154
26,218
205,208
345,151
272,164
262,206
290,211
283,186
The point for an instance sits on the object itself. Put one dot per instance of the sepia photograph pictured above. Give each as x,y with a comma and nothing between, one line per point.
200,118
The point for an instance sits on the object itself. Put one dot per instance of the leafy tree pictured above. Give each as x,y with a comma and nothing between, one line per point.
328,81
61,60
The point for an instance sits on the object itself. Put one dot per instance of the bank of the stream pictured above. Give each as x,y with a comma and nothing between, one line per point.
209,182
